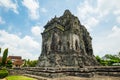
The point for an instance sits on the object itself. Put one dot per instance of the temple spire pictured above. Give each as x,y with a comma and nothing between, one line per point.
67,12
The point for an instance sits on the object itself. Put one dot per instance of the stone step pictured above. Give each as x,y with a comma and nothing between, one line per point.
74,69
45,74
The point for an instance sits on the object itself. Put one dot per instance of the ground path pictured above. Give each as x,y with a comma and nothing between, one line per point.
76,78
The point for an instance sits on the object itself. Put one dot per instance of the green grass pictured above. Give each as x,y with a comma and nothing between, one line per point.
19,78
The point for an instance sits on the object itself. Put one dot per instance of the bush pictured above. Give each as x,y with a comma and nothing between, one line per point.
3,73
9,64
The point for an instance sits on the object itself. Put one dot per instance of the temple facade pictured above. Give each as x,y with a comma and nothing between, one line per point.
66,43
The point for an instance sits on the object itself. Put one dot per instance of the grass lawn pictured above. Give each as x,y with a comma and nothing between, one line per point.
19,78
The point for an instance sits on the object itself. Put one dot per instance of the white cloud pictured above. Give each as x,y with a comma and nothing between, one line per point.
115,32
108,43
33,8
37,30
26,47
87,15
31,44
118,19
117,12
90,23
91,15
106,7
9,4
1,20
86,11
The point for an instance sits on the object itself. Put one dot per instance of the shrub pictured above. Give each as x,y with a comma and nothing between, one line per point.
9,64
3,73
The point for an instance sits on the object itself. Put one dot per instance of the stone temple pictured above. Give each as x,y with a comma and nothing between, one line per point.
66,43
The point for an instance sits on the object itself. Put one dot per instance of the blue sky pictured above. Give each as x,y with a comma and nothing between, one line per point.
22,21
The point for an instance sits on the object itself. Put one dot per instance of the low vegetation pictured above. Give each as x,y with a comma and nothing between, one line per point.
3,73
30,63
19,78
109,60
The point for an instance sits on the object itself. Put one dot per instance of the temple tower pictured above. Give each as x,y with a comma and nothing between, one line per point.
66,43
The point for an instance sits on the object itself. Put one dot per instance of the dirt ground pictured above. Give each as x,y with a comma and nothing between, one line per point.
93,78
81,78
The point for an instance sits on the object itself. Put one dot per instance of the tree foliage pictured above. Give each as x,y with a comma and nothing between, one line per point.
0,49
109,59
30,63
9,64
4,58
5,62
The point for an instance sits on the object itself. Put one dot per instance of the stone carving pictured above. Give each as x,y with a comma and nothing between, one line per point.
66,43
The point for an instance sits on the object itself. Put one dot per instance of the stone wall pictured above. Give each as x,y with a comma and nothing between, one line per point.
71,71
16,71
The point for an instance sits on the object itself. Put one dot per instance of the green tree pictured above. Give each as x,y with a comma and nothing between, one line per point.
109,59
30,63
98,59
33,63
101,61
4,58
9,64
25,63
0,61
0,50
119,54
113,58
